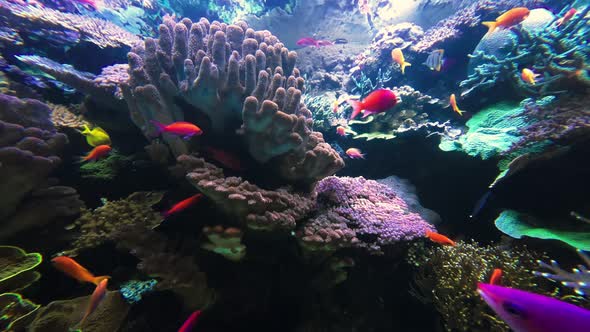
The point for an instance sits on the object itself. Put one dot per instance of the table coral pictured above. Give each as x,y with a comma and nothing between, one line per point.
63,117
356,212
100,225
14,309
231,73
251,205
226,242
16,266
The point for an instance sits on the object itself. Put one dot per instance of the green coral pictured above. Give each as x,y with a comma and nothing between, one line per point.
13,308
447,278
236,9
517,225
98,226
107,168
16,268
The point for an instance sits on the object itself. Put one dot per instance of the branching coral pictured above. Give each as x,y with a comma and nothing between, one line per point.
32,20
229,72
101,225
578,279
226,242
14,309
556,53
63,117
447,277
355,212
253,207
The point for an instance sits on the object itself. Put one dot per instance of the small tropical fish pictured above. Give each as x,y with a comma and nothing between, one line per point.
97,296
184,129
398,57
453,102
509,19
308,41
190,322
528,76
97,136
335,105
341,131
435,60
73,269
97,153
567,17
354,153
95,4
183,205
496,278
225,158
529,312
439,238
377,101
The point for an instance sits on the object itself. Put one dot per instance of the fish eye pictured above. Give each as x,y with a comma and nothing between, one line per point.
514,310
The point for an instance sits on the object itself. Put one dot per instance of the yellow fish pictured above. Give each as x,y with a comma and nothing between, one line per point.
97,136
398,56
528,76
453,102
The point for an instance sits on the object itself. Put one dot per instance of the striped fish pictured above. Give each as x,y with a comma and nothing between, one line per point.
435,60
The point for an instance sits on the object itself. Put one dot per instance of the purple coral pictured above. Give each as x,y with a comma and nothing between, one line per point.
362,213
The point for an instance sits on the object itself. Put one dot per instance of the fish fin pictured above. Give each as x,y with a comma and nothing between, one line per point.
438,67
97,280
100,130
491,26
357,107
366,114
159,126
404,65
86,130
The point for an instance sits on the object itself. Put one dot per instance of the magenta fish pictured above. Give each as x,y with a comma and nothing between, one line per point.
530,312
378,101
190,322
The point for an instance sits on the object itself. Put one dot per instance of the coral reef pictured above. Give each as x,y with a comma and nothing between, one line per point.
554,53
102,224
15,310
63,117
65,314
17,268
65,28
107,168
29,146
226,242
447,278
133,290
355,212
252,206
229,72
578,279
517,225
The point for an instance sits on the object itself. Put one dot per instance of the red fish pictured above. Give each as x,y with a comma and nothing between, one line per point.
184,129
496,278
190,322
225,158
97,296
97,153
378,101
354,153
73,269
440,239
341,131
509,19
567,17
183,205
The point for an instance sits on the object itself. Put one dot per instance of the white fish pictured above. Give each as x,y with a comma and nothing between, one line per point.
435,60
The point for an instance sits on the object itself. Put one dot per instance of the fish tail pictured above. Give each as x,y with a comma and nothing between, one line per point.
165,214
85,131
404,65
159,126
97,280
357,107
491,26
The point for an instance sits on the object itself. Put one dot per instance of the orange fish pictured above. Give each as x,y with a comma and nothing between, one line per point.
97,296
341,131
567,17
453,102
335,105
440,239
496,278
183,205
354,153
97,153
510,18
73,269
528,76
398,56
184,129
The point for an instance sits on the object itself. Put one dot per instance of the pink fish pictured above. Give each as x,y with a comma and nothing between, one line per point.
184,129
567,17
341,131
378,101
354,153
97,297
190,322
308,41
